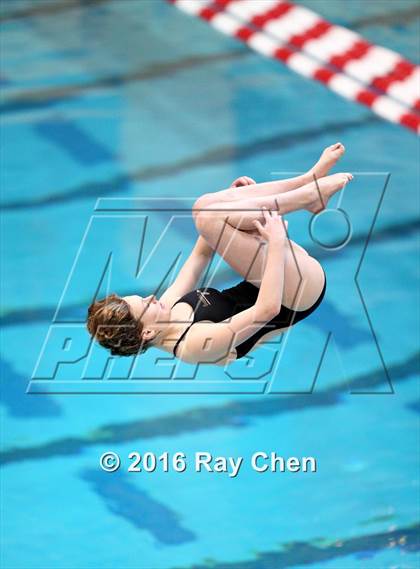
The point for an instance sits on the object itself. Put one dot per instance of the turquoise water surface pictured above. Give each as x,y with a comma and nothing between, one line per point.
134,99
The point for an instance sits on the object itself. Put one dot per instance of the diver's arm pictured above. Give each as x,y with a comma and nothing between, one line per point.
202,247
191,271
270,295
211,343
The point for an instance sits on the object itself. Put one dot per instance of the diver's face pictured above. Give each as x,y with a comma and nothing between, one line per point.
147,309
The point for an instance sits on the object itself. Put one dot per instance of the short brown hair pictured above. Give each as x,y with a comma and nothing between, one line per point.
111,323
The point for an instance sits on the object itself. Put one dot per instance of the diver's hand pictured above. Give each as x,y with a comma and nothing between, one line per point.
274,228
242,181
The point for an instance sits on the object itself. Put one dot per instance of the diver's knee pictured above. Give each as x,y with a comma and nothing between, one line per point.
201,204
202,221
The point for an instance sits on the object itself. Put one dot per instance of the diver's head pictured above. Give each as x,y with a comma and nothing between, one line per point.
127,325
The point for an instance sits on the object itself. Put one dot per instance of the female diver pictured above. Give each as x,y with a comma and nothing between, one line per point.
282,283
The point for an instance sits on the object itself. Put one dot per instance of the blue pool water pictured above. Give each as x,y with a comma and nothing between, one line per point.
126,99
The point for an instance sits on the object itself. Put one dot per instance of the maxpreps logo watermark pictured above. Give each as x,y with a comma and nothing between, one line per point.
143,243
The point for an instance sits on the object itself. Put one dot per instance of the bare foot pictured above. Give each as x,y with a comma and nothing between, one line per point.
325,188
327,160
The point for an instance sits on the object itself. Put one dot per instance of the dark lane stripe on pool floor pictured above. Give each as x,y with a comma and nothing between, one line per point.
75,141
48,9
234,414
407,16
44,98
127,500
215,156
13,385
299,553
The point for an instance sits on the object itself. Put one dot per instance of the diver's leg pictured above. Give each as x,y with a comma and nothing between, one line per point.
241,213
327,160
246,254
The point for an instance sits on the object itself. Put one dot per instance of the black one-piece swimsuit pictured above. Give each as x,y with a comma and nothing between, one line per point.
211,304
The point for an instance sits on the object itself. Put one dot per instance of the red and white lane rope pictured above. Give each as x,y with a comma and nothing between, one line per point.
244,19
339,47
